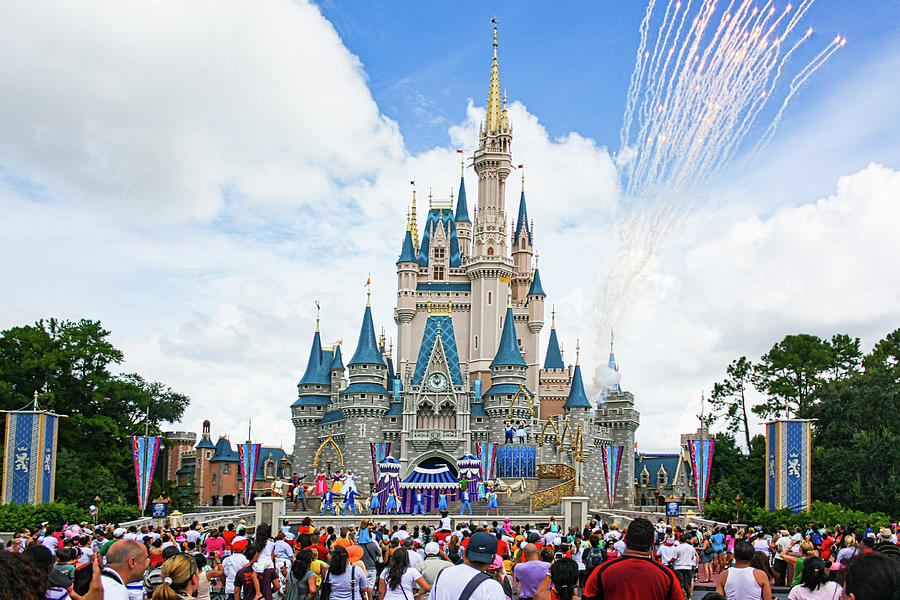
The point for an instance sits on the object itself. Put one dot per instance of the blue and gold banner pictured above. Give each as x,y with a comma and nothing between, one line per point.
249,459
144,450
702,452
29,457
788,464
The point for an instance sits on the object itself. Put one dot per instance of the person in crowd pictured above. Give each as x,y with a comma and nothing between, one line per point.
528,575
807,550
344,580
20,578
180,579
743,582
301,581
634,576
230,567
873,576
469,579
761,562
42,558
400,581
435,562
683,564
815,583
562,583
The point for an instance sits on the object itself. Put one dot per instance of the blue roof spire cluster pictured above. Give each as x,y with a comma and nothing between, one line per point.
554,359
577,398
462,208
522,220
508,353
318,370
407,252
367,347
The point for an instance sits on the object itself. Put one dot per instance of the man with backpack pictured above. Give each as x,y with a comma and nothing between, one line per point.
593,556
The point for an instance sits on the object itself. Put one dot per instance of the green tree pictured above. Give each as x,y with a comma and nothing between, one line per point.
735,474
70,365
729,399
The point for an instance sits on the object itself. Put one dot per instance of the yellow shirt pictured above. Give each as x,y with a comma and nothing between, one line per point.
316,567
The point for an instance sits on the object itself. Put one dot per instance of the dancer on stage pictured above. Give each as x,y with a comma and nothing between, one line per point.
492,502
392,502
419,505
374,504
350,495
482,491
509,432
338,484
442,501
321,483
521,433
328,502
349,481
466,503
299,494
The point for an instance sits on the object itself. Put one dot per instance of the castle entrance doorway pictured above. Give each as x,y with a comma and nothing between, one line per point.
436,461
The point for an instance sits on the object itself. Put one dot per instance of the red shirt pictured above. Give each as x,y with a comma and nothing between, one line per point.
633,578
502,547
228,535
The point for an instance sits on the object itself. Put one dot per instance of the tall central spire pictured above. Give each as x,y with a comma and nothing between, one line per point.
492,122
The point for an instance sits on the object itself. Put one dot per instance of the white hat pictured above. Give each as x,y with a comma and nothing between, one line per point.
432,549
118,532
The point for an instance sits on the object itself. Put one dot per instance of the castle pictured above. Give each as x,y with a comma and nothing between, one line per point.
469,314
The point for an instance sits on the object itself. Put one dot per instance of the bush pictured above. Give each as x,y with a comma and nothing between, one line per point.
822,512
14,517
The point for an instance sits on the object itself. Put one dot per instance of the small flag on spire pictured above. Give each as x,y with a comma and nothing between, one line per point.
412,182
459,152
368,281
318,306
520,166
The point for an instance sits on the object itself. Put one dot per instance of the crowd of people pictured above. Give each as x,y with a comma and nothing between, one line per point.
462,561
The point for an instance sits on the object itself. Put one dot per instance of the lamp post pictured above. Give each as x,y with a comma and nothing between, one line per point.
328,464
737,507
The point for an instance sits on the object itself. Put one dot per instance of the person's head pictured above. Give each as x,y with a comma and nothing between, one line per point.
20,578
339,558
530,551
594,541
639,535
397,567
743,552
129,559
807,548
481,550
761,561
180,576
40,556
564,576
432,549
872,576
547,554
815,573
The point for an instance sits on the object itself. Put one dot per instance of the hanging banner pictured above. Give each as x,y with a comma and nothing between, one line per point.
380,450
249,457
29,457
144,451
612,462
702,452
788,464
487,453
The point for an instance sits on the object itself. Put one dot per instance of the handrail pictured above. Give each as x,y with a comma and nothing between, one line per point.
553,495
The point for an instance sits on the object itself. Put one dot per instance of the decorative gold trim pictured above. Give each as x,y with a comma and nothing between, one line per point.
340,454
528,396
550,422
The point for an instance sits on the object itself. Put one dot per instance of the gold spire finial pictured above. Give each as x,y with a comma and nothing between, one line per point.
553,318
369,291
462,164
577,352
413,226
522,168
492,122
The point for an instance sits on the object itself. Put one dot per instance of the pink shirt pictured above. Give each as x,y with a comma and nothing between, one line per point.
215,545
729,543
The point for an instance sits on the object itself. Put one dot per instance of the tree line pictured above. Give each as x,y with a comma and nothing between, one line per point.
853,397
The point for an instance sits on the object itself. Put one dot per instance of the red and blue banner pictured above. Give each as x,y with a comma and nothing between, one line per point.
144,450
702,452
380,451
612,463
487,453
29,457
248,454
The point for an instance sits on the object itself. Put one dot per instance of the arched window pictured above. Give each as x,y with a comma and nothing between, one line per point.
447,416
490,251
425,417
645,476
662,478
270,468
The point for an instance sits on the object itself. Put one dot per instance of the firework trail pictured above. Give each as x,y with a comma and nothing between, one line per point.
699,83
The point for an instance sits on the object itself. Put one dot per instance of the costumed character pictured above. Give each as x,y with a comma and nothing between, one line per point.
507,526
442,501
521,434
338,484
392,502
466,503
492,502
350,500
419,505
350,482
509,432
300,496
482,490
374,504
277,488
321,483
328,502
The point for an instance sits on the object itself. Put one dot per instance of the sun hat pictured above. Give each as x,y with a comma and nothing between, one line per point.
355,552
885,534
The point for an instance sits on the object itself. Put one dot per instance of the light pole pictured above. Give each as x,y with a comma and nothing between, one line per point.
737,507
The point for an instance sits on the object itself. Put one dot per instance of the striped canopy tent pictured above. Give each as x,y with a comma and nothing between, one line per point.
431,482
388,478
469,466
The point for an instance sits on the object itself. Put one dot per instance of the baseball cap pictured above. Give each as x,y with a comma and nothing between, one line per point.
432,549
482,547
885,534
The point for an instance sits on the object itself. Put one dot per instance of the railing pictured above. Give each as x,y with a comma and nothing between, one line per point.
554,495
555,471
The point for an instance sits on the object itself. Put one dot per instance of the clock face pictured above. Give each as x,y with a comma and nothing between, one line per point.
437,381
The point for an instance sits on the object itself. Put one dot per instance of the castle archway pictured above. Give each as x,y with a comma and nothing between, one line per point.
435,459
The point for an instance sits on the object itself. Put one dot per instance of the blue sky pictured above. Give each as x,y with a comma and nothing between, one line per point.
195,175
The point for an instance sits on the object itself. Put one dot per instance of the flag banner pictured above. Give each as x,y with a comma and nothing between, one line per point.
772,479
144,451
702,452
476,389
788,464
29,457
380,451
397,388
249,457
487,453
612,462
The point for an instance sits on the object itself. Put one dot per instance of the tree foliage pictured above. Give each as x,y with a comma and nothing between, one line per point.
729,398
71,365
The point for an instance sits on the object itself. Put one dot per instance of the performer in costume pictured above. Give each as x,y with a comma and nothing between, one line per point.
419,505
442,501
328,502
482,490
349,482
466,503
492,503
299,496
392,502
338,483
521,434
374,504
509,432
350,500
321,483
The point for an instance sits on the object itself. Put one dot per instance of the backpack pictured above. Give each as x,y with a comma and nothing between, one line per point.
593,558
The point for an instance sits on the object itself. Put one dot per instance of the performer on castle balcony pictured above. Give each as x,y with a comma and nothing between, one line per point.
521,433
509,432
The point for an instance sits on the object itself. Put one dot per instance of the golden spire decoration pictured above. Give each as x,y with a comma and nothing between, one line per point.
553,318
413,226
492,121
577,352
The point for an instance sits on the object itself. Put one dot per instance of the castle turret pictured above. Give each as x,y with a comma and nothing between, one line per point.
315,394
463,224
508,380
554,377
407,272
522,251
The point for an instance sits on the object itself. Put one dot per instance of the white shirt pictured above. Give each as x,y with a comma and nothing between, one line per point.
113,588
406,585
666,553
400,534
684,556
453,580
620,547
414,559
192,535
761,545
231,565
445,523
50,542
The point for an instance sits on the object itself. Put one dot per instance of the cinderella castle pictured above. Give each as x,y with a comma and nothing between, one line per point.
470,311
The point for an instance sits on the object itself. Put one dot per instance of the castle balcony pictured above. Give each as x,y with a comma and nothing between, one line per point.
422,439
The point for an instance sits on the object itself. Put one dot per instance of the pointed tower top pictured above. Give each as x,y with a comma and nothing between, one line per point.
337,362
508,353
367,348
612,364
577,398
492,122
407,252
536,288
413,226
553,317
316,371
553,359
522,220
462,207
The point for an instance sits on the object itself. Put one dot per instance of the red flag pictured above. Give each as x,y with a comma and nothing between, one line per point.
520,166
459,151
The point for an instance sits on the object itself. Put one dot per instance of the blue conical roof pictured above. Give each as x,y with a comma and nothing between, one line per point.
577,398
367,347
407,253
462,209
536,288
554,359
338,361
317,371
508,353
613,366
522,220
